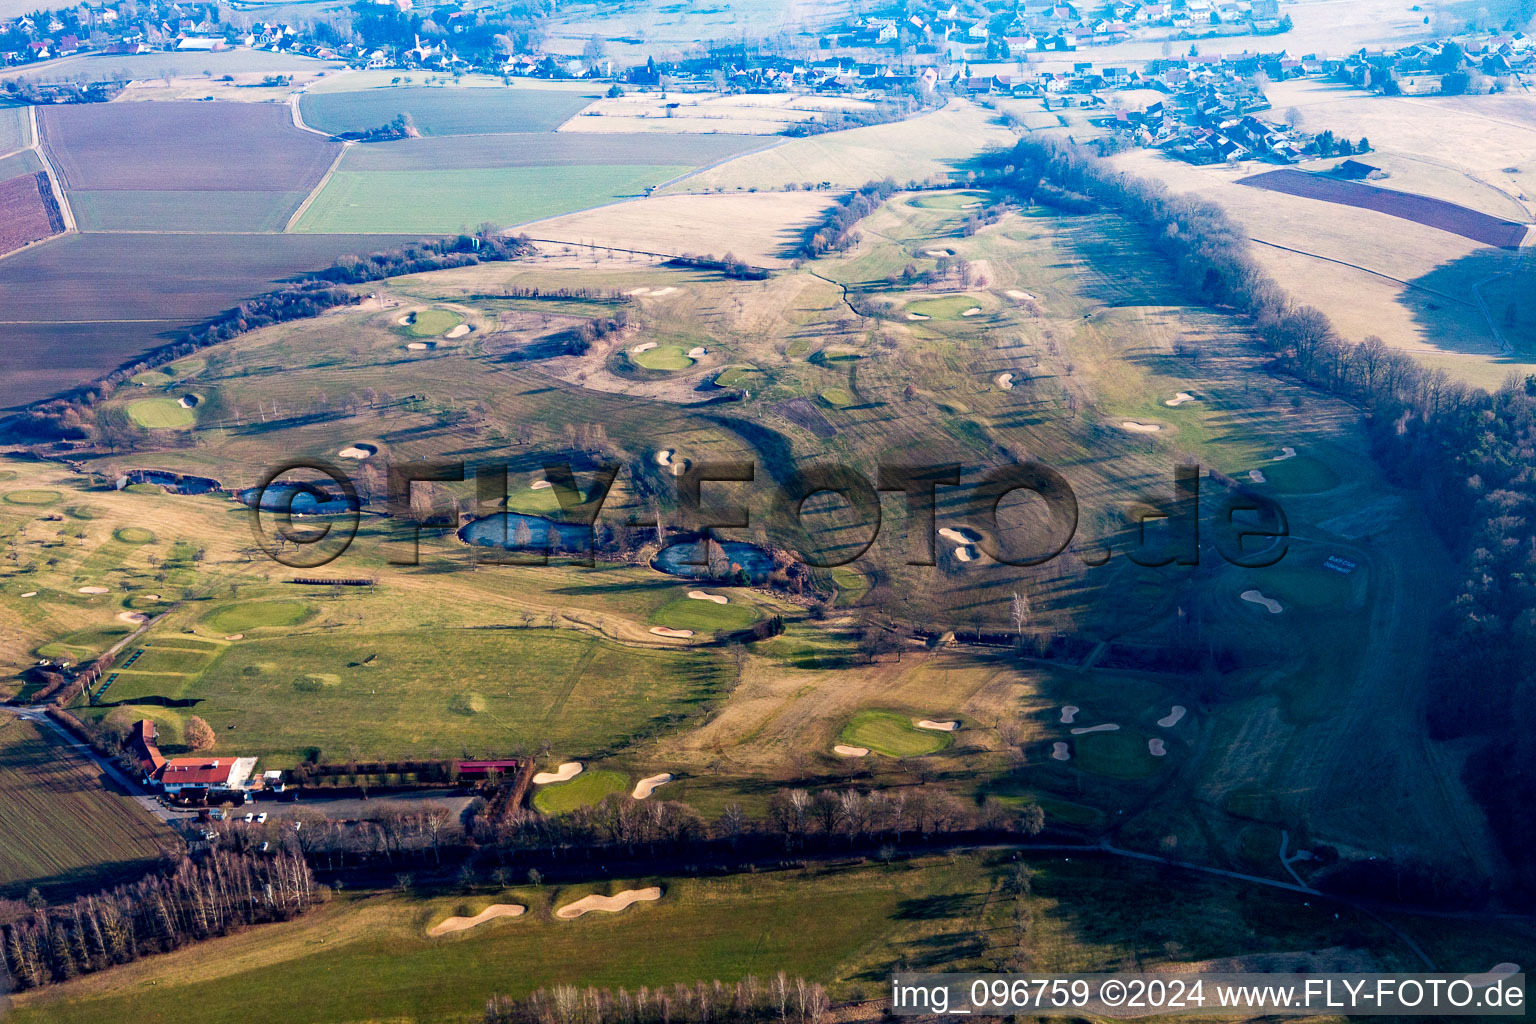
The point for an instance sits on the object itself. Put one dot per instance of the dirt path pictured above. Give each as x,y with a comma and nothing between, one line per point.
325,180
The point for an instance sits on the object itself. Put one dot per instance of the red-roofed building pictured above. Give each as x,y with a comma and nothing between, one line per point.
142,746
222,773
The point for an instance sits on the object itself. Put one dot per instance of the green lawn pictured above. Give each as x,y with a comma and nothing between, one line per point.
584,790
60,824
429,323
442,692
663,357
892,734
237,618
161,414
704,616
448,201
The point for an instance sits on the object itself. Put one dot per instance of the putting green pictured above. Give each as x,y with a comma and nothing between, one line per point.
429,323
950,307
31,497
1300,475
704,616
851,585
663,357
134,535
892,734
240,618
948,201
161,414
584,790
838,398
1116,755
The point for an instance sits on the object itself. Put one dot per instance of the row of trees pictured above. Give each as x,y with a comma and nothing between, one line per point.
195,900
835,232
1471,453
781,999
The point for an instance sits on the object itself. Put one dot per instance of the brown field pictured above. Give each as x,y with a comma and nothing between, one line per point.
1433,213
25,215
182,146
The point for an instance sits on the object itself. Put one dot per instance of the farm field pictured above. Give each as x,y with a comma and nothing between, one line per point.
15,129
26,214
62,827
1434,213
441,111
24,162
444,202
753,114
99,67
543,149
195,212
848,925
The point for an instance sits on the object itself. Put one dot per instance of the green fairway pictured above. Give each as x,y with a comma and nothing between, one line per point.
429,323
449,201
704,616
892,734
33,497
458,691
584,790
443,111
161,414
134,535
663,357
237,618
949,307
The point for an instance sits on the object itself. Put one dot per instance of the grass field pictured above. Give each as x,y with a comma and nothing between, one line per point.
443,202
584,790
61,826
440,112
892,734
364,957
161,414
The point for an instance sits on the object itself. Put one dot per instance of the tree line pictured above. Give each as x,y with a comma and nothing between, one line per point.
749,1001
195,900
836,231
1469,452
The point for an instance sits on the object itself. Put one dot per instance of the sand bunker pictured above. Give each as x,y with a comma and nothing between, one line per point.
680,634
1106,727
134,617
938,252
844,750
662,291
407,320
667,458
973,311
235,636
1174,716
1256,475
187,401
698,352
30,593
540,485
1140,428
965,554
1005,381
1494,974
418,346
1156,747
642,347
1257,598
608,904
637,291
459,331
664,457
916,316
93,590
1069,713
358,451
459,924
645,787
1061,751
1285,453
1180,398
565,773
1014,293
960,535
938,726
699,595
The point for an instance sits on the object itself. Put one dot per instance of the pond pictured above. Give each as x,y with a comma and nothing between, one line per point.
687,558
176,483
305,499
516,531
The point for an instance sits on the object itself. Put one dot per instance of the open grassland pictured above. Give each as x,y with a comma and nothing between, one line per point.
367,957
441,111
161,147
62,826
932,146
443,202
